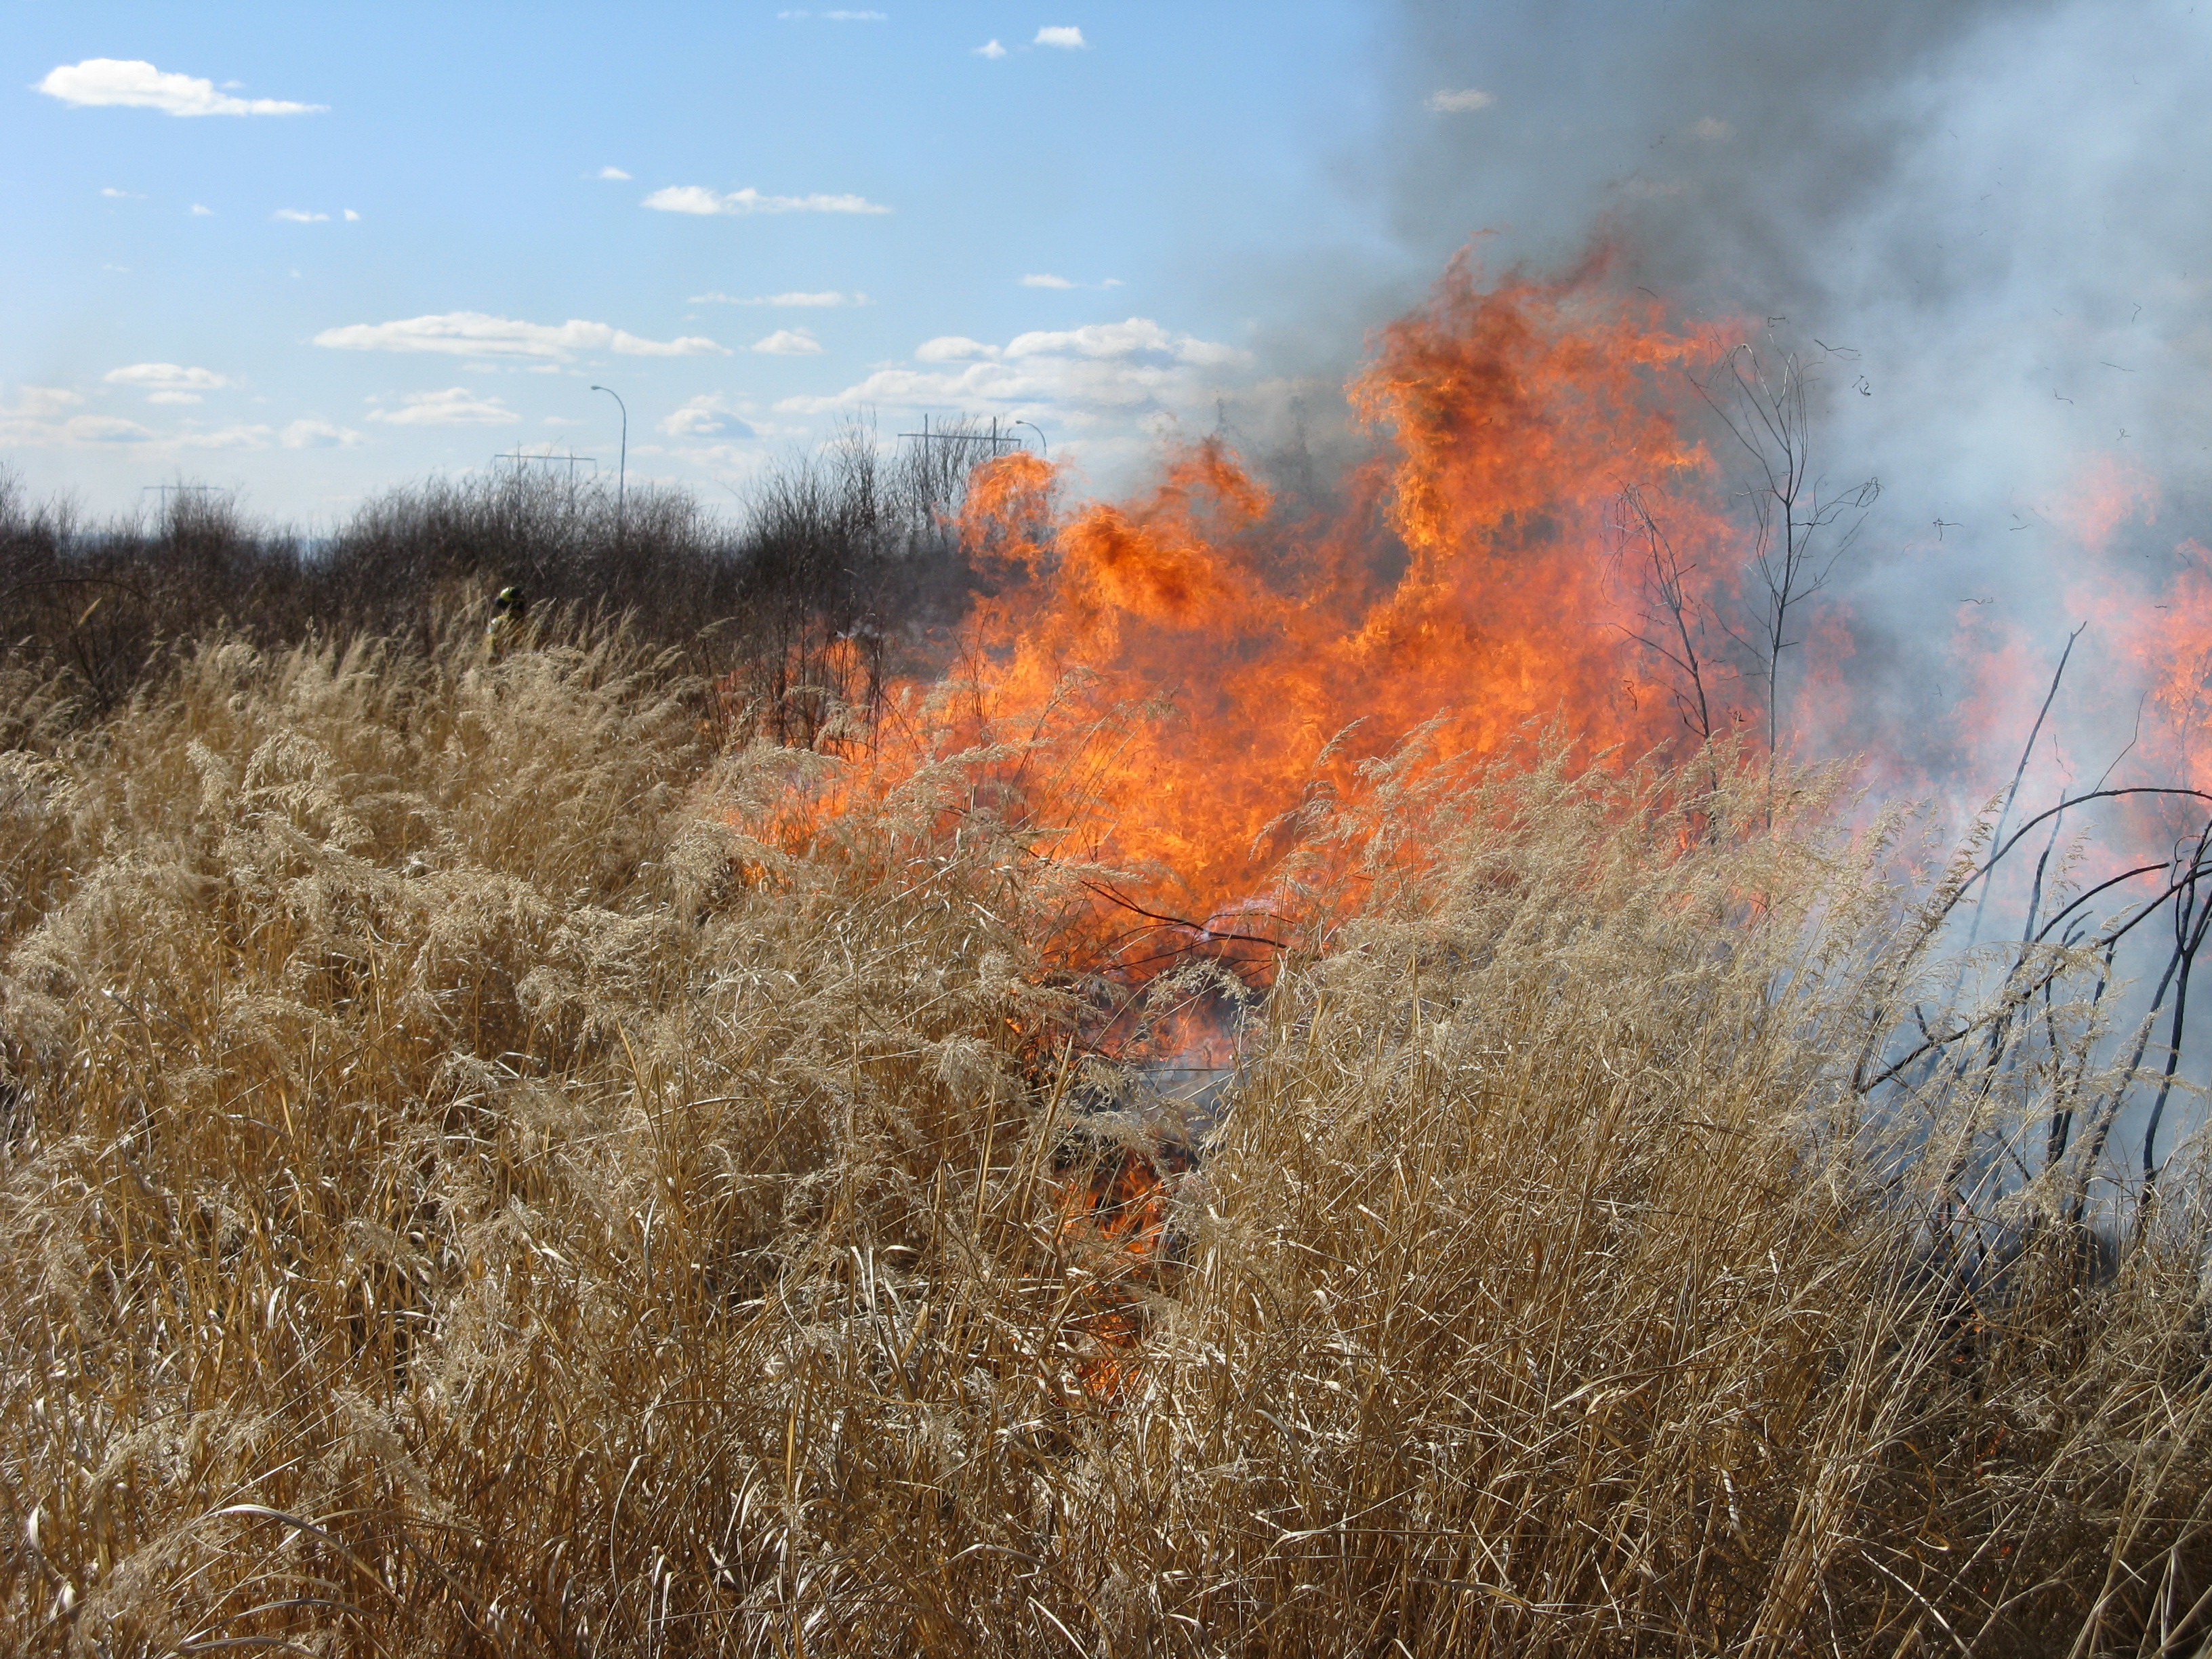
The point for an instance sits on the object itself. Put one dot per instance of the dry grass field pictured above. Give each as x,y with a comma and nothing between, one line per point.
486,1169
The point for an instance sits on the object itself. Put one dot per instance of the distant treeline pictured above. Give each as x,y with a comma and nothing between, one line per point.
851,544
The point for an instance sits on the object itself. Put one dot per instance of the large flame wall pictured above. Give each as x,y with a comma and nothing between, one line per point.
1232,655
1469,569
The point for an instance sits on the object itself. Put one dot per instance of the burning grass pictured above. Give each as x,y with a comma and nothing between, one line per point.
478,1179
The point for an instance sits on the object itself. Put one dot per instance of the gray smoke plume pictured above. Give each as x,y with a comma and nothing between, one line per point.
1982,223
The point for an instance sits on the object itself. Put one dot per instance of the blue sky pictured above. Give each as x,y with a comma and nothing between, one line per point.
1123,219
1071,215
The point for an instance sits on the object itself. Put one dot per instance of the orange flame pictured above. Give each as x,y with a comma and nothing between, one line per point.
1233,660
1113,1231
1471,570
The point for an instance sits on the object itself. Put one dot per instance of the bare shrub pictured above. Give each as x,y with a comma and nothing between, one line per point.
835,560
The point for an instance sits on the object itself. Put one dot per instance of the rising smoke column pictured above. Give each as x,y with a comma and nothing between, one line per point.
1979,224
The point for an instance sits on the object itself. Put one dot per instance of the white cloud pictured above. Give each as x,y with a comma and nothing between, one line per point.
705,417
228,437
318,434
102,429
1046,279
199,212
789,343
1463,101
76,429
1711,129
41,402
352,218
168,382
455,406
1084,375
41,417
134,83
611,173
952,348
1139,335
1066,36
991,48
299,216
111,192
474,334
697,198
837,16
829,297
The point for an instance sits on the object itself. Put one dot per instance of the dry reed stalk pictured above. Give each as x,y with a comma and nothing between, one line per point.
485,1175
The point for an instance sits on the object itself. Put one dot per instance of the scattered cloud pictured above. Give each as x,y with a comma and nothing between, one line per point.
789,343
111,192
167,383
352,218
991,48
299,216
1463,101
474,334
165,374
132,83
1043,280
697,198
41,417
1139,335
706,416
1712,130
226,437
199,212
1066,36
615,173
41,402
952,348
838,17
102,429
455,406
829,297
1084,374
313,433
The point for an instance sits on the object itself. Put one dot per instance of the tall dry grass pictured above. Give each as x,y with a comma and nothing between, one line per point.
477,1181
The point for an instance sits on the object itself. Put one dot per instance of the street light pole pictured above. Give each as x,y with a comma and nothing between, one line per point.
622,468
1039,430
